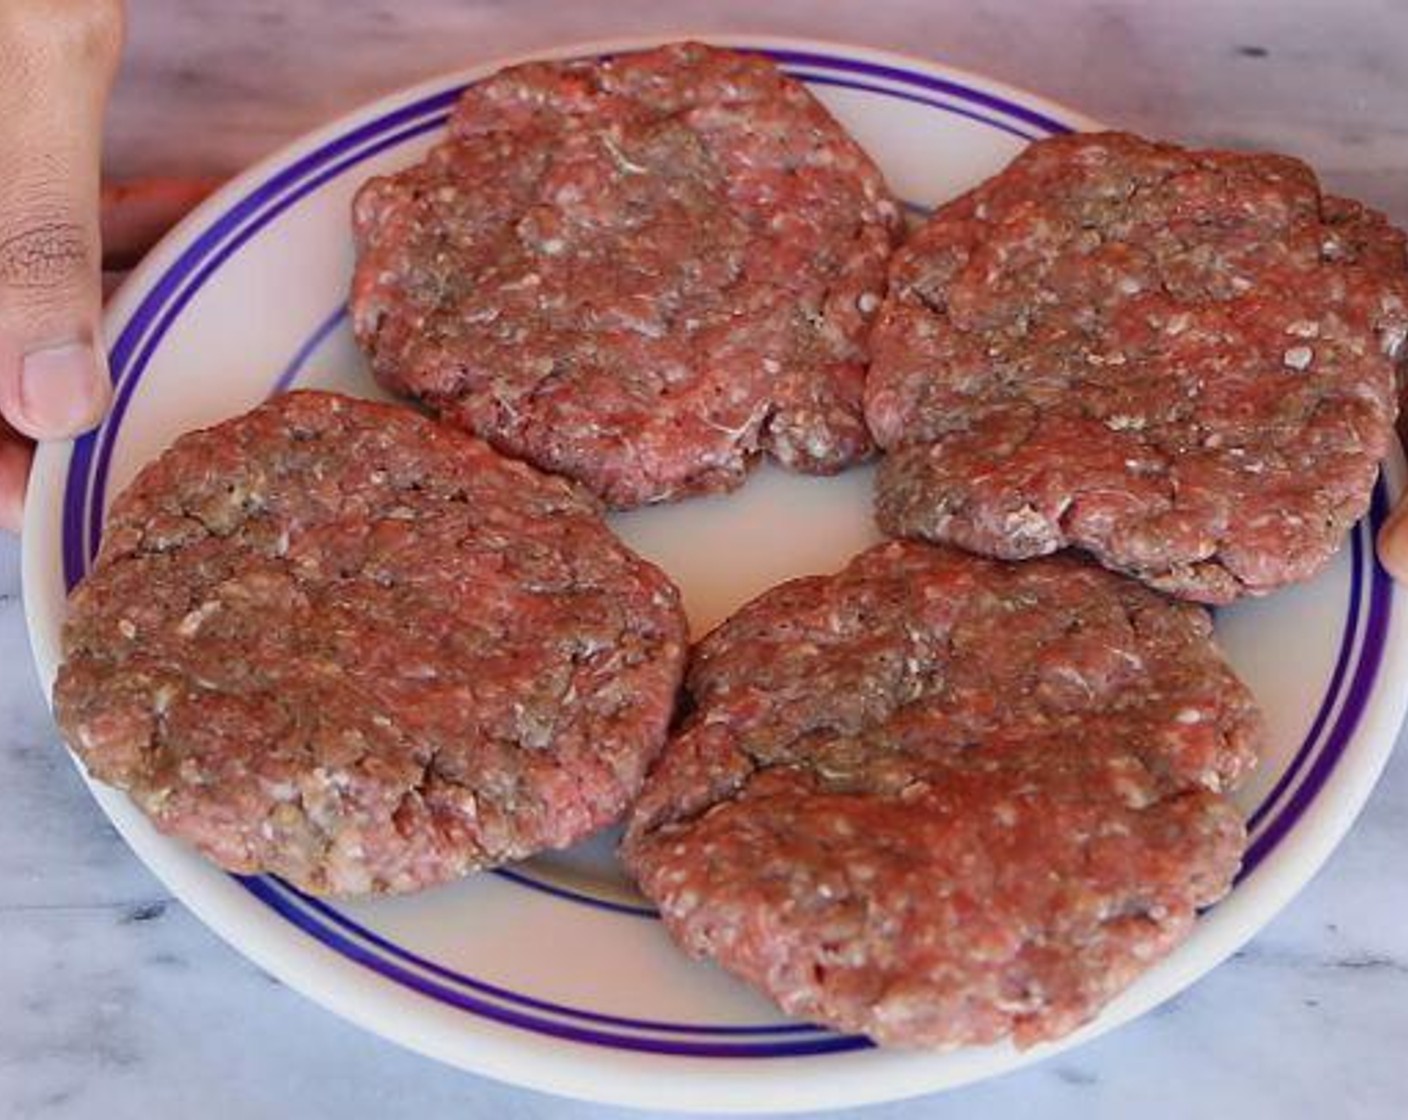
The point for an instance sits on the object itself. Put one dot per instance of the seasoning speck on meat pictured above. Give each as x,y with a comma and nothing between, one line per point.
1181,361
639,272
944,800
339,642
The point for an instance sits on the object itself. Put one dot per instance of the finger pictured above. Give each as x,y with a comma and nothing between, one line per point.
1393,543
15,455
57,59
135,214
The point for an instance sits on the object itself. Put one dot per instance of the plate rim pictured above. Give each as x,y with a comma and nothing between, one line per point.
514,1055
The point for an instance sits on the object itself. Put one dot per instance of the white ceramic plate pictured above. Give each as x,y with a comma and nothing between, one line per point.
554,974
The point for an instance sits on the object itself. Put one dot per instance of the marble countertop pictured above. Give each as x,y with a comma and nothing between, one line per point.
116,1002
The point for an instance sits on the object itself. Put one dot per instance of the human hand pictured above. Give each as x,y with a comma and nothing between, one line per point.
57,60
1393,537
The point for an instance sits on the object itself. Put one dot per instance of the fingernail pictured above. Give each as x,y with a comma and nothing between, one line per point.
64,390
1393,543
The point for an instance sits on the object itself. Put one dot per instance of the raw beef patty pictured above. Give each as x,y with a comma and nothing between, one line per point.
942,800
1182,362
337,641
639,272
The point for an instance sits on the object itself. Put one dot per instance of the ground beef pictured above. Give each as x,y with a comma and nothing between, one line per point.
638,271
339,642
1180,361
942,799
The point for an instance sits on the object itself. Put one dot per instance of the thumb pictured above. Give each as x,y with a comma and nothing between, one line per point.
1393,542
57,59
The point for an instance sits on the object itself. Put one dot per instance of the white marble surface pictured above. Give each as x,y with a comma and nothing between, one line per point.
115,1002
